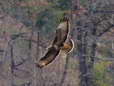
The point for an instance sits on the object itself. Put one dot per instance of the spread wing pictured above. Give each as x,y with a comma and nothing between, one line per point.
61,34
60,38
49,57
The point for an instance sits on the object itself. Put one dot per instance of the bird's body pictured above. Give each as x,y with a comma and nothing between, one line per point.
68,46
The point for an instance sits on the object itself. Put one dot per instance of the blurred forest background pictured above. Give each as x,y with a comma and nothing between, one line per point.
27,28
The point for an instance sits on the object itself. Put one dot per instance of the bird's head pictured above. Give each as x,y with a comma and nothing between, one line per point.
64,18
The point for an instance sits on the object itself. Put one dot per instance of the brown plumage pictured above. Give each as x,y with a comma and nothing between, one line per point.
49,57
68,46
58,44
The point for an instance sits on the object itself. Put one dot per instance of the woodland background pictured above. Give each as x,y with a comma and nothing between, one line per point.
27,28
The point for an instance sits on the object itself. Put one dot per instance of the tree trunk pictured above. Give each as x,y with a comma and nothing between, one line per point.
92,55
82,46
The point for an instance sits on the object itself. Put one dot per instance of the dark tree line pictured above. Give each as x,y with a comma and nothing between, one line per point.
90,27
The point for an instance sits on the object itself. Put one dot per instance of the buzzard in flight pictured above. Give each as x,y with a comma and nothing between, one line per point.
62,42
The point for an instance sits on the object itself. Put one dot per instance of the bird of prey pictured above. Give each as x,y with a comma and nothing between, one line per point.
61,42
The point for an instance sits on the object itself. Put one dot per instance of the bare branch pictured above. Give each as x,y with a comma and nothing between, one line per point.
20,63
104,59
20,70
106,30
24,84
15,36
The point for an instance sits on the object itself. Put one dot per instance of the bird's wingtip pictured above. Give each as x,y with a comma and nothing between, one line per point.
39,66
